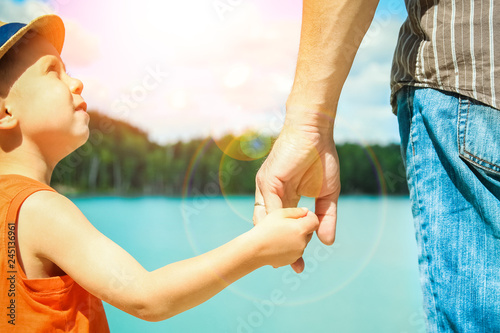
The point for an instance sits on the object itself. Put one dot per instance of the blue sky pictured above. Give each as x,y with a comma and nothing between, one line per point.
215,73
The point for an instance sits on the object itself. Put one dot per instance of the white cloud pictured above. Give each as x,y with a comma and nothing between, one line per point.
24,12
250,69
233,70
81,47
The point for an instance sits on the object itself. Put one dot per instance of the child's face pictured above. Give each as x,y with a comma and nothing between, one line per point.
50,111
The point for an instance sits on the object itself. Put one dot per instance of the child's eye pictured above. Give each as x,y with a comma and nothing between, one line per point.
51,70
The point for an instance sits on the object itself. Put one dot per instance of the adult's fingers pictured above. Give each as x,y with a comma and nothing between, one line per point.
299,265
259,211
269,189
326,210
271,198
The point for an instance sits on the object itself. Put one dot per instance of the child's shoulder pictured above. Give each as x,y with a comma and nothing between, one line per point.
46,206
44,211
24,196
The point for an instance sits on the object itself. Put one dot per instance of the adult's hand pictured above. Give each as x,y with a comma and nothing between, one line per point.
303,162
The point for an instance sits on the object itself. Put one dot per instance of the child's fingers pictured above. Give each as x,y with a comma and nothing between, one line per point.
311,222
293,213
307,218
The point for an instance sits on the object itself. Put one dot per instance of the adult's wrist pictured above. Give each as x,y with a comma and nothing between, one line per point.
309,119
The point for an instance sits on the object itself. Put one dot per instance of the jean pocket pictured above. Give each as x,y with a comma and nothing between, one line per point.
479,135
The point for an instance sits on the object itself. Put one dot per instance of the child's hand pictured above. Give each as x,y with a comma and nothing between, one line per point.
283,235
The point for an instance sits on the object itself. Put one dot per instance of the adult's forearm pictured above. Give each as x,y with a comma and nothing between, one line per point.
332,31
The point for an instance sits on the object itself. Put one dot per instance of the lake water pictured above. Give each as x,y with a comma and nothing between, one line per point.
366,282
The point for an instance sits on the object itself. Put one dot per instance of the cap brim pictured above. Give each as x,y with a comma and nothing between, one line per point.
51,27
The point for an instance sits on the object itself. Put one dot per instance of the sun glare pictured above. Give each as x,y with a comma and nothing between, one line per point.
237,76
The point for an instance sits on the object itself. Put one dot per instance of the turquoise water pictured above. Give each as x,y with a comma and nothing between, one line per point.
366,282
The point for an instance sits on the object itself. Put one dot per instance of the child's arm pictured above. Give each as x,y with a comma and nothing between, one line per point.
52,228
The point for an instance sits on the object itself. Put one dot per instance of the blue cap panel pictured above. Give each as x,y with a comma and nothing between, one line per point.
8,30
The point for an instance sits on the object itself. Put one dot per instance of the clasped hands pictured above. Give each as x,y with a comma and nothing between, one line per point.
302,162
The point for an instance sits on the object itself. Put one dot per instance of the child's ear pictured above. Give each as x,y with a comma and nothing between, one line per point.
7,120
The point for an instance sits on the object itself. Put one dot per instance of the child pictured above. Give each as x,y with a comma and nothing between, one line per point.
56,267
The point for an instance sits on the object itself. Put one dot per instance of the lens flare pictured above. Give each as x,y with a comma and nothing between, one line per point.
249,147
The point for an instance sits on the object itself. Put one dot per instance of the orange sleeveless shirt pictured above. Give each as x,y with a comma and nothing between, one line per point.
56,304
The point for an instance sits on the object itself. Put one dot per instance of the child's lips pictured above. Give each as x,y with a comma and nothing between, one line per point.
82,107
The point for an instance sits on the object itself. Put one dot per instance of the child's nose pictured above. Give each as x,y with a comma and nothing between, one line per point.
76,86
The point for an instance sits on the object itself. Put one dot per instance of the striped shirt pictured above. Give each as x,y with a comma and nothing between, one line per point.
451,45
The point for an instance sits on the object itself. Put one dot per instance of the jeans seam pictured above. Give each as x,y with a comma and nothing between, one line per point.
409,102
459,122
425,252
489,168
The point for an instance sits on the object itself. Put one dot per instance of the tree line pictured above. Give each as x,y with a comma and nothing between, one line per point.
119,159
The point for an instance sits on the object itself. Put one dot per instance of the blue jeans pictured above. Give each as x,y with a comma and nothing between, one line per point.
451,148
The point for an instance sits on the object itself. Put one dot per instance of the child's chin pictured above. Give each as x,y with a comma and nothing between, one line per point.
81,138
85,138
